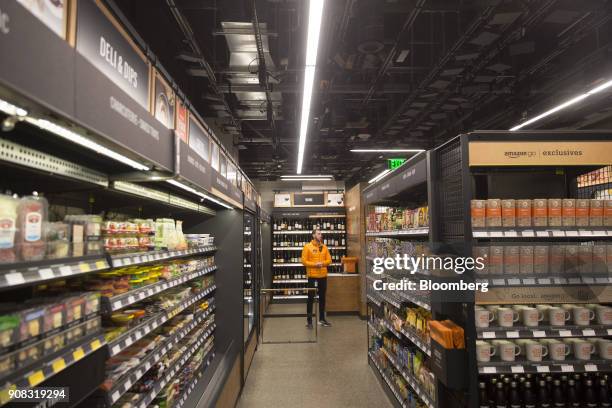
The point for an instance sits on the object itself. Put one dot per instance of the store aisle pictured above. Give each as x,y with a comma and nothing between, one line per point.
329,374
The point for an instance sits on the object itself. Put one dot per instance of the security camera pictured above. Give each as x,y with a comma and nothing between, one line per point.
9,122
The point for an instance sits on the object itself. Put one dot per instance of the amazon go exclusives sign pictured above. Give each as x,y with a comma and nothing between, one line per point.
101,42
540,153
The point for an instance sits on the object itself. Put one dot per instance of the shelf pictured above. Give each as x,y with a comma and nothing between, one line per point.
138,332
570,232
301,248
543,332
281,297
296,232
568,366
410,379
583,280
374,328
408,232
280,265
139,258
168,375
397,302
32,273
51,365
412,337
129,379
400,400
375,300
189,389
291,281
136,295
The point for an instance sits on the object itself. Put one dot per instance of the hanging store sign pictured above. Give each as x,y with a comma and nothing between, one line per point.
52,13
282,200
45,73
181,122
335,199
540,153
193,168
164,102
308,199
102,41
199,141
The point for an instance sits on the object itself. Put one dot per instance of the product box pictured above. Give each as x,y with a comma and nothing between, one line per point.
493,213
496,259
478,210
571,260
511,260
540,212
582,212
599,259
508,213
555,214
557,259
607,213
585,259
541,255
481,252
568,212
526,259
523,213
596,209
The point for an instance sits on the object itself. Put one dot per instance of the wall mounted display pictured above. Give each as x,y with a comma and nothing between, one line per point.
51,12
104,43
231,173
198,139
223,164
164,102
282,200
308,199
335,200
182,122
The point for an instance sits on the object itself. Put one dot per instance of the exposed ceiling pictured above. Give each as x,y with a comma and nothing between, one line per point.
391,73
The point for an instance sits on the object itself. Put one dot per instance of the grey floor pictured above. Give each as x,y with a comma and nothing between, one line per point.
328,374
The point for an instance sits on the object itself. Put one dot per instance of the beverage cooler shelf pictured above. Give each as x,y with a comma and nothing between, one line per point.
301,248
308,232
279,265
568,366
543,332
138,332
290,281
125,299
153,256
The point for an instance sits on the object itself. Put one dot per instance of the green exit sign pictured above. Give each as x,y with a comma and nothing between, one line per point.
395,163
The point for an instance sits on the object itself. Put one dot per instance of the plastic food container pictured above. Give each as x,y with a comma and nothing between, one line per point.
32,216
75,308
31,323
9,329
55,316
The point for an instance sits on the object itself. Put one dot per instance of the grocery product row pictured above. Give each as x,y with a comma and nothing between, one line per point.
326,224
544,259
381,218
282,242
336,256
544,390
541,212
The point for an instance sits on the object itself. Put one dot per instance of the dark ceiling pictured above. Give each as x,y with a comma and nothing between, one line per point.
391,73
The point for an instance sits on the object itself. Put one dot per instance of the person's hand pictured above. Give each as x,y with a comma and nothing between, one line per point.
319,264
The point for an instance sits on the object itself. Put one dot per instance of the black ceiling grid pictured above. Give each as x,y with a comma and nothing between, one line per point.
391,73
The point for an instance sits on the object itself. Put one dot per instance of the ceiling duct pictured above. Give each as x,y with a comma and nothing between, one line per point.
244,68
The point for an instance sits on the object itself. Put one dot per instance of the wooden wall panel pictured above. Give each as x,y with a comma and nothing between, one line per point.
231,390
355,224
343,294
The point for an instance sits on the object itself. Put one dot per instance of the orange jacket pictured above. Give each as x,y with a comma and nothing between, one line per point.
312,254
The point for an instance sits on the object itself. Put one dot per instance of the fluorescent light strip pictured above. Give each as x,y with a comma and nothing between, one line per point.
11,109
387,150
196,192
379,176
564,105
309,175
315,15
308,179
83,141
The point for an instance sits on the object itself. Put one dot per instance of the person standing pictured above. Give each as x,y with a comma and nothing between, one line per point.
316,258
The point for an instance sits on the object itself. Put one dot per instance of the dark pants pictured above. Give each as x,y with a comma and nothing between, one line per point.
322,286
